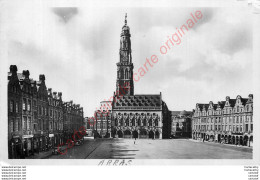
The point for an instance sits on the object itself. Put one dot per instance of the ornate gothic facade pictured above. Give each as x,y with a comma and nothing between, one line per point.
135,116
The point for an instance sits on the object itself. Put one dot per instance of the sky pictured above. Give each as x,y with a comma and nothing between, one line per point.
77,49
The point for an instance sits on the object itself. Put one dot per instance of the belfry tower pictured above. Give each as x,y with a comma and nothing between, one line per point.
125,66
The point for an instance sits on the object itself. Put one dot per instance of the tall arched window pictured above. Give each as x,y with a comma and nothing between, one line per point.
139,122
150,122
133,122
126,73
156,122
127,122
122,74
144,122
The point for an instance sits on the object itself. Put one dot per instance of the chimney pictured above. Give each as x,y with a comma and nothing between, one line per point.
55,95
227,98
42,77
49,91
250,96
26,73
13,69
60,95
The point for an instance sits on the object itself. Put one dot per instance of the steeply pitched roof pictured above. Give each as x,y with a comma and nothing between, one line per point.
244,100
175,113
138,101
232,102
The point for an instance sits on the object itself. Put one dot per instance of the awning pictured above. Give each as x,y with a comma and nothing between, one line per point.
51,135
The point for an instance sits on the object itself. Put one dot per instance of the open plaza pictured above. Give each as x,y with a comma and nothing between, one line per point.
151,149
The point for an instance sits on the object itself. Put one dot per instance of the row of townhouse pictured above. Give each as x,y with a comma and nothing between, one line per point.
38,119
229,121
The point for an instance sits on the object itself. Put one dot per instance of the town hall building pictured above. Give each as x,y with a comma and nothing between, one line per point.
136,115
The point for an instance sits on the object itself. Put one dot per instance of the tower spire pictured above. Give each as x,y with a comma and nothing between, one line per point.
125,66
125,18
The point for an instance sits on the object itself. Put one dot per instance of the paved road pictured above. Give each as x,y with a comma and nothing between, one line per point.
153,149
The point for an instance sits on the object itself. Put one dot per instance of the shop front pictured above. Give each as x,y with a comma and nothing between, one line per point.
27,145
16,148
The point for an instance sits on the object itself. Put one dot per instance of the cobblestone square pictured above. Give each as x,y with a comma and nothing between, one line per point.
154,149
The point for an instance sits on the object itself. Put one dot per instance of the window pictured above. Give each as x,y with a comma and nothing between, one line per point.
24,104
11,126
29,105
133,122
24,123
16,125
156,122
246,127
16,107
126,122
35,127
150,122
241,129
35,114
51,125
144,122
29,123
11,106
251,127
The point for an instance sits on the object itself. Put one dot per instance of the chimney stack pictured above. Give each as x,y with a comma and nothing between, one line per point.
13,69
26,73
42,77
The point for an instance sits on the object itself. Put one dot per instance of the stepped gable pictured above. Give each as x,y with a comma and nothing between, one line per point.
153,101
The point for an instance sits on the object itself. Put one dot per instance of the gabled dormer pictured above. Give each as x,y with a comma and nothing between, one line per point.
13,81
42,89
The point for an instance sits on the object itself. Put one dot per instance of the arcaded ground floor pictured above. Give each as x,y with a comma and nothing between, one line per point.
153,149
